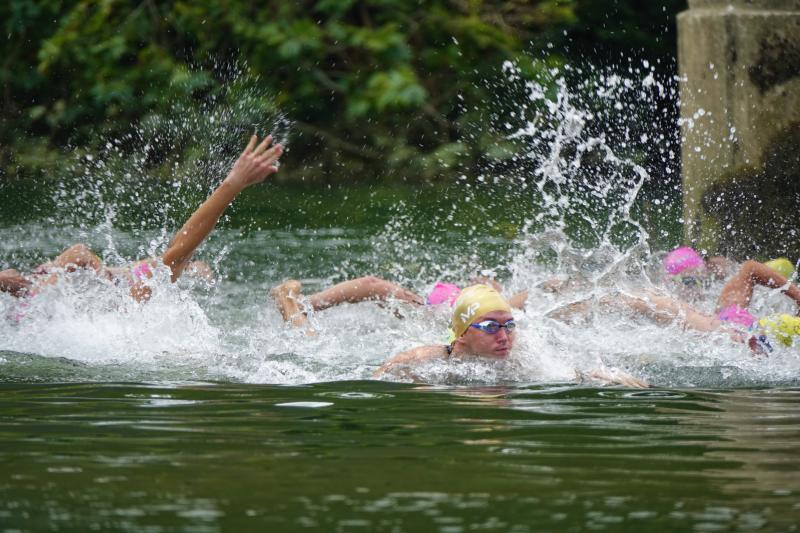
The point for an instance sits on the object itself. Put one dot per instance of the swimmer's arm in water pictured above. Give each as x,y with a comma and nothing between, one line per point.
14,283
360,290
76,256
200,270
404,360
253,166
518,300
663,310
615,376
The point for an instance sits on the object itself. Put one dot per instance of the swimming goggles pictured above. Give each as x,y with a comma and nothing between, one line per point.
692,282
493,326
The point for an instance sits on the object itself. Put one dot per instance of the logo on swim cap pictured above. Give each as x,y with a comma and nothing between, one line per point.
474,302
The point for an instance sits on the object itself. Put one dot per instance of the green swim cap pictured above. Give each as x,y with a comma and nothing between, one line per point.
782,266
783,327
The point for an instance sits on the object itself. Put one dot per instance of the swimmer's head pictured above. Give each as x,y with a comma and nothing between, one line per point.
737,315
683,259
783,327
475,305
443,293
782,266
687,271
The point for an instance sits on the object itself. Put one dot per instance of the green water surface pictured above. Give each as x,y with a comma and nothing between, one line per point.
372,456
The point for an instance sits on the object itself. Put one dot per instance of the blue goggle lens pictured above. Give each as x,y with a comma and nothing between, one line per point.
493,326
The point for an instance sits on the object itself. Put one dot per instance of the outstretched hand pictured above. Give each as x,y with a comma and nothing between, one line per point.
616,376
258,161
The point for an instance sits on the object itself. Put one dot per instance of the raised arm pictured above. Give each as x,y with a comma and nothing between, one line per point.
739,289
254,165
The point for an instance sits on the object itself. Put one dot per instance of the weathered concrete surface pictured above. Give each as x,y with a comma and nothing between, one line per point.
739,62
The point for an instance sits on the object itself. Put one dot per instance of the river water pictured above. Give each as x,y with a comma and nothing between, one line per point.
372,456
201,411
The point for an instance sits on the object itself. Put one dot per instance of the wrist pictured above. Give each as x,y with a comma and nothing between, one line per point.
233,183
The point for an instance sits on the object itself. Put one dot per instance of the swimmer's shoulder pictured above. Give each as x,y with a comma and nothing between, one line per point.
420,354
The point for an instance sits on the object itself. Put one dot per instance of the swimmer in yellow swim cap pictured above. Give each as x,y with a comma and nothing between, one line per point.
782,327
782,266
482,326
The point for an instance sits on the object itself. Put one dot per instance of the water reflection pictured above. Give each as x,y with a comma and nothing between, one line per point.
759,431
388,456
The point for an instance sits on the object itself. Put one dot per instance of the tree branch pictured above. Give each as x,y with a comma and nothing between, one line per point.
336,142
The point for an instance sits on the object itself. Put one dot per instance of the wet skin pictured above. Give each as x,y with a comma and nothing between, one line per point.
483,344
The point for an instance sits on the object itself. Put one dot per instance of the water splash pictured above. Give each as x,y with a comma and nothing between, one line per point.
564,217
585,141
156,175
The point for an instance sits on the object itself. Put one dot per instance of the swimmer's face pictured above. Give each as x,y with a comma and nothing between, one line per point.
491,345
691,280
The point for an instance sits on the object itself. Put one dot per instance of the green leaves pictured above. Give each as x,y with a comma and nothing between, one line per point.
395,89
389,87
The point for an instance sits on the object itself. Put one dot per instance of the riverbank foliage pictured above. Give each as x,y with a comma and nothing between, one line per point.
378,89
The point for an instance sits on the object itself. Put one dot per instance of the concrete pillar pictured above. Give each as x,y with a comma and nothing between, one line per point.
739,63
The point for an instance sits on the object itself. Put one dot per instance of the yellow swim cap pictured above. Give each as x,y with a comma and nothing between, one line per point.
783,327
782,266
473,302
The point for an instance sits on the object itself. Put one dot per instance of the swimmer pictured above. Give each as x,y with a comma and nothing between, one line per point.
482,326
14,283
79,256
731,311
256,162
688,274
685,269
290,301
75,257
684,262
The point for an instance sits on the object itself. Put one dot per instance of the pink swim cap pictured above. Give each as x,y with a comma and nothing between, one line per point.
142,270
443,292
737,315
681,259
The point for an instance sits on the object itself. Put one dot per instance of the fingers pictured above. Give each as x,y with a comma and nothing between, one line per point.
263,146
251,144
263,151
272,155
258,160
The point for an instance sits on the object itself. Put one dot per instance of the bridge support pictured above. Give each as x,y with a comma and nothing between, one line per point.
739,63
